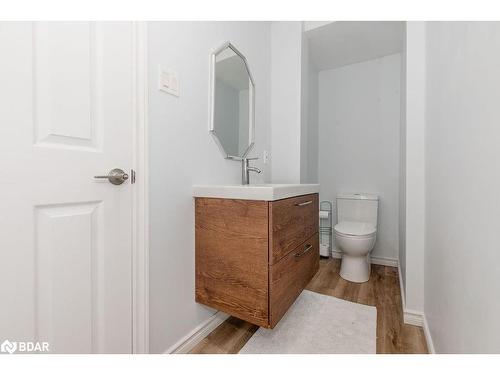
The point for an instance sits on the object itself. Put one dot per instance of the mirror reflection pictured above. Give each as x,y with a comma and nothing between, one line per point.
232,122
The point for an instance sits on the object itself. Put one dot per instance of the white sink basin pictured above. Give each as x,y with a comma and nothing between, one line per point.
264,192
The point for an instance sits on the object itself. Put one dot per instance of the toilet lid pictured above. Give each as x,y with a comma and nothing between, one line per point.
355,228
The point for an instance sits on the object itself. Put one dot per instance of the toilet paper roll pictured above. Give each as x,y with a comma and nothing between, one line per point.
324,250
324,214
325,239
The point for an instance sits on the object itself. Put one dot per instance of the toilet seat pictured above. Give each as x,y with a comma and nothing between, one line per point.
355,229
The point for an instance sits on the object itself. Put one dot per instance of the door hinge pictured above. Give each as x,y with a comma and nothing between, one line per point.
132,177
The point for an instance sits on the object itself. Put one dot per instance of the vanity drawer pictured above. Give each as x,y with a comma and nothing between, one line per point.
289,276
291,220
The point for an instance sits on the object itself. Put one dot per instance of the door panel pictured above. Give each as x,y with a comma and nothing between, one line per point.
66,116
76,313
66,84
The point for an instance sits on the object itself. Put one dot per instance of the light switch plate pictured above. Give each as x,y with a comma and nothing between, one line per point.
168,81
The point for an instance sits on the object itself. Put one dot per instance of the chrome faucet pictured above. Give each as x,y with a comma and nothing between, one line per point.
246,169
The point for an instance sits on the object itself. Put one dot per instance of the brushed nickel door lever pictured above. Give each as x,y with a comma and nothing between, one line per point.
116,176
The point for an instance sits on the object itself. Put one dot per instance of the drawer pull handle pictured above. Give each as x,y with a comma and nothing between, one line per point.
303,203
308,247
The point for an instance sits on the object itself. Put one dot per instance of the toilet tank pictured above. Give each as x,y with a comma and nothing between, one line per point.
357,207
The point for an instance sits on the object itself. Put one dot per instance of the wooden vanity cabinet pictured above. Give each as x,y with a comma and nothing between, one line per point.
253,258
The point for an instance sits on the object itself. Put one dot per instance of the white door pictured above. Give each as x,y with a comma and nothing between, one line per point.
65,116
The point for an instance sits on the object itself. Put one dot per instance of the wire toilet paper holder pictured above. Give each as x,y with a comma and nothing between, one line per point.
326,227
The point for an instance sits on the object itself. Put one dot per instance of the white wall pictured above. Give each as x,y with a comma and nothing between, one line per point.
304,109
415,165
402,168
286,72
312,165
359,139
311,25
309,117
462,256
182,153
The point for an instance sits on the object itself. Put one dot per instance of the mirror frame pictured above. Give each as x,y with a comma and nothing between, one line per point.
251,107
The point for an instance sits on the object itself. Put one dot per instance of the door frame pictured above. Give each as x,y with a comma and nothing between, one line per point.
140,192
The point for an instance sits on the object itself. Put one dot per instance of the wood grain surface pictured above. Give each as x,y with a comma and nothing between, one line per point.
289,276
231,257
291,222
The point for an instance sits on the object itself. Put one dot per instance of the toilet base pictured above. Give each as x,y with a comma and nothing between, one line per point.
354,268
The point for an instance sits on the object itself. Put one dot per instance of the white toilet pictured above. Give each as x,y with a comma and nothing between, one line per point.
356,233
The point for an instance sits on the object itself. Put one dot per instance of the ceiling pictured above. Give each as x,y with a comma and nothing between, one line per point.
342,43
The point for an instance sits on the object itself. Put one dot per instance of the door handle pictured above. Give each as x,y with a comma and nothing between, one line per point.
116,176
308,247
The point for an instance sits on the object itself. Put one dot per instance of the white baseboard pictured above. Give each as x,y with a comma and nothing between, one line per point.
383,261
428,337
336,254
194,337
412,317
418,319
415,318
401,288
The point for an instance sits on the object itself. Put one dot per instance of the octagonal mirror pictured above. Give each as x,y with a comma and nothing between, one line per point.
232,102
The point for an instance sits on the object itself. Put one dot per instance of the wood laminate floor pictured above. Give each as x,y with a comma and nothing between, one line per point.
382,291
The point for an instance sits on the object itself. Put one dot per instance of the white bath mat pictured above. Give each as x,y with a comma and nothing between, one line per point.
320,324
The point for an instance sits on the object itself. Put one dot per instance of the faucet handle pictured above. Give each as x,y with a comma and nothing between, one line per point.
255,158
